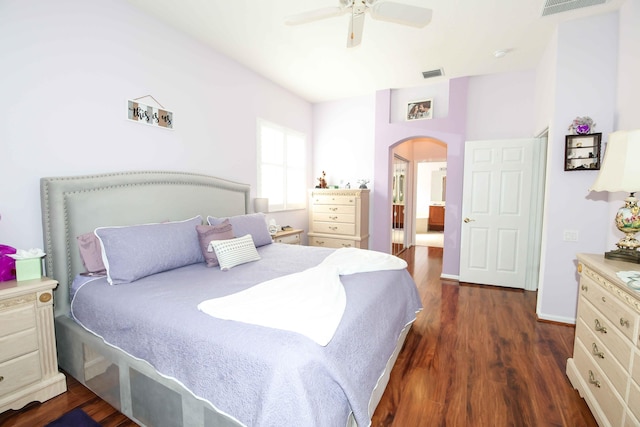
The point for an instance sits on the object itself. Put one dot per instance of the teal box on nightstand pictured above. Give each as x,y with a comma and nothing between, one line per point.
28,269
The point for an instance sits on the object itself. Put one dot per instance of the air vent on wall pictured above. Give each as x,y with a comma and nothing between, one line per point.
433,73
557,6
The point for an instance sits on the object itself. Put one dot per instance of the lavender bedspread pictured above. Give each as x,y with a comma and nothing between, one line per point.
259,376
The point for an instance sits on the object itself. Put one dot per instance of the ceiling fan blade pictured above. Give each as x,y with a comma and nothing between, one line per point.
314,15
404,14
356,25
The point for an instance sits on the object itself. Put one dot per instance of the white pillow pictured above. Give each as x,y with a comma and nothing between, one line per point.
232,252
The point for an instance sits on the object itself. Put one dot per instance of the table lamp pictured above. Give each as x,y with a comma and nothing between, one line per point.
620,171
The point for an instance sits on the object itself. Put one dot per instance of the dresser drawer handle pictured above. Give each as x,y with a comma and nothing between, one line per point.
604,299
1,378
593,380
624,322
333,209
346,245
333,217
596,351
584,288
318,242
333,228
599,327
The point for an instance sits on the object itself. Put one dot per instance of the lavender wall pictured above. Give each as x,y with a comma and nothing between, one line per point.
582,87
68,68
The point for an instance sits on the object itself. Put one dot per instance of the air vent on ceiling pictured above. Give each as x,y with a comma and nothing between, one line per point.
552,7
433,73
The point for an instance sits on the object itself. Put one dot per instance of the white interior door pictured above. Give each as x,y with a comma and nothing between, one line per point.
496,211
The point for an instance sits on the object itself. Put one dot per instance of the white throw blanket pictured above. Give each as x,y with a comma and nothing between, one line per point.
311,302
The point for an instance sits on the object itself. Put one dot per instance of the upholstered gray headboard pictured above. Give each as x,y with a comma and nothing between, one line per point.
74,205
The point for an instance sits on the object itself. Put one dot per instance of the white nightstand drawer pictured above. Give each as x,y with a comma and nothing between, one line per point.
335,217
602,357
334,209
17,344
599,385
604,329
621,316
331,228
333,200
17,317
19,372
293,239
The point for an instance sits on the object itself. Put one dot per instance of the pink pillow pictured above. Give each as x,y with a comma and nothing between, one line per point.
91,253
208,233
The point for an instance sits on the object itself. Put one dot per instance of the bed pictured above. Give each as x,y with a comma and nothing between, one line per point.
205,370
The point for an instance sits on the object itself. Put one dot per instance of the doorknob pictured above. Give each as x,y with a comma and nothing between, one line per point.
468,220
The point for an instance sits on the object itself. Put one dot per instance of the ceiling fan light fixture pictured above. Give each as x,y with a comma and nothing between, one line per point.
433,73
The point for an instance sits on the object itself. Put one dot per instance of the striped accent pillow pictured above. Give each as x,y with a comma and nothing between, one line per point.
232,252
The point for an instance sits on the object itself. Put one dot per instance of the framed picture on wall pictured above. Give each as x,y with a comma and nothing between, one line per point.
420,110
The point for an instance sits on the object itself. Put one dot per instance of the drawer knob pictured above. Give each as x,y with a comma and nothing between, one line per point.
333,228
584,288
604,299
593,380
624,322
333,217
596,352
599,327
1,378
333,209
346,245
318,242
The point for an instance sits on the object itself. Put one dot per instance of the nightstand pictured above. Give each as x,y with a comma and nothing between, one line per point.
28,358
291,237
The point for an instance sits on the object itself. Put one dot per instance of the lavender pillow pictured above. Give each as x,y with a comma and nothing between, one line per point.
132,252
91,253
209,233
254,224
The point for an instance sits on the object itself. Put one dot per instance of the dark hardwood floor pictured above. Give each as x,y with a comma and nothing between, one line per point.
476,356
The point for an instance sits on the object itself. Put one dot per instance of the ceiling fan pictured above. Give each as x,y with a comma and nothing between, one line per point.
398,13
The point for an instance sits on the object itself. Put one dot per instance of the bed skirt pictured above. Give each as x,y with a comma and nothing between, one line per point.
136,389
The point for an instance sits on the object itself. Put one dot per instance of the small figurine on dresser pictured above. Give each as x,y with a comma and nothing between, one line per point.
322,182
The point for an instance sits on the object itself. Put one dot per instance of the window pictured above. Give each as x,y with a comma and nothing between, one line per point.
282,171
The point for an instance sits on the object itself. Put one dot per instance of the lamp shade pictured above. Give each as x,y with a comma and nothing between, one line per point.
261,204
620,170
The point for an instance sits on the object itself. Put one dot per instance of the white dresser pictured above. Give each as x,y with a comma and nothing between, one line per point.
605,367
28,358
339,218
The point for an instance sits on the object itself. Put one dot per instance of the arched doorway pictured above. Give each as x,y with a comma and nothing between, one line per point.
412,195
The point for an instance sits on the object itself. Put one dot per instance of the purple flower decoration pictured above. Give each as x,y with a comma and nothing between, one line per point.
583,129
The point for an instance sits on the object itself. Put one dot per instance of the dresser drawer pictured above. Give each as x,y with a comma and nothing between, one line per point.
635,369
602,357
330,242
334,228
599,386
334,209
603,328
634,399
333,200
335,217
17,344
621,316
17,319
19,372
630,420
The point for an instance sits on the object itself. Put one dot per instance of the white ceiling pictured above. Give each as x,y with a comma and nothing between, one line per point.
312,60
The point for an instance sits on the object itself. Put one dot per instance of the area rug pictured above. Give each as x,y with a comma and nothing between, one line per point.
75,418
